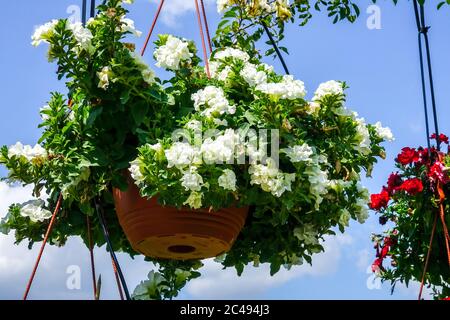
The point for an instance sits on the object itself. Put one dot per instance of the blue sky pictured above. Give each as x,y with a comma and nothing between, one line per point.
381,68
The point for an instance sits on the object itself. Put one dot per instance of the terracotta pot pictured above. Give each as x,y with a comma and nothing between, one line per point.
171,233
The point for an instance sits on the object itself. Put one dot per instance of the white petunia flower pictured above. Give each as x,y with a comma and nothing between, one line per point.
361,210
362,136
270,178
228,180
136,174
128,26
221,75
299,153
328,88
171,54
213,98
194,200
43,33
182,154
221,149
194,125
319,183
104,77
312,108
288,88
34,210
147,73
252,76
384,132
82,35
191,180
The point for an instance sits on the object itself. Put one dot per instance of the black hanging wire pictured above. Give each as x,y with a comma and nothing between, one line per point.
275,47
83,12
92,8
98,207
423,31
101,218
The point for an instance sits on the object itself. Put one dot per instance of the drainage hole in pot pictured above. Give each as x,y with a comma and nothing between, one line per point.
181,249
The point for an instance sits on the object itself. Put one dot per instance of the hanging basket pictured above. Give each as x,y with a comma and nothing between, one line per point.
171,233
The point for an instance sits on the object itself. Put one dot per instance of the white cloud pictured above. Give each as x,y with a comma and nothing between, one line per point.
174,9
363,259
16,263
216,283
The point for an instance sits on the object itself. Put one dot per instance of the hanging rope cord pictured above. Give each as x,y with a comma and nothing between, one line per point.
422,28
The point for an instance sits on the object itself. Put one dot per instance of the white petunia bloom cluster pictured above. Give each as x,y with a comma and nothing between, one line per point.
172,53
288,88
104,77
128,26
270,178
228,180
331,87
26,151
229,52
43,32
34,210
213,98
299,153
384,132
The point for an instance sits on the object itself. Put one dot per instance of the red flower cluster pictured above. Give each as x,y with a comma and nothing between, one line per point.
438,173
380,200
412,186
408,156
442,138
394,181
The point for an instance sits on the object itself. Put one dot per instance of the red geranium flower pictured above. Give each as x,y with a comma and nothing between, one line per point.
442,137
380,200
407,156
412,186
438,173
394,181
